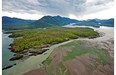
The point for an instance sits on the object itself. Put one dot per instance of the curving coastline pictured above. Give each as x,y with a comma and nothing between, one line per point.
40,58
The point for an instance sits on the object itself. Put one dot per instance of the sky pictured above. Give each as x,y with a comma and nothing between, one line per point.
75,9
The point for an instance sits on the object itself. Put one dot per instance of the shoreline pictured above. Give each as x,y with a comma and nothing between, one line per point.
33,65
37,64
20,54
5,51
103,44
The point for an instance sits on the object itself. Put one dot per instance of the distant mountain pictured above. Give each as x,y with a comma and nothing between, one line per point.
107,22
48,21
104,22
15,21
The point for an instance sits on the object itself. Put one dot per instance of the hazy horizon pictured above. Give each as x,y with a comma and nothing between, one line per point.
60,16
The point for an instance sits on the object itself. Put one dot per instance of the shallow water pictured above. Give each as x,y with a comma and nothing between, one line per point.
35,61
6,54
108,32
31,63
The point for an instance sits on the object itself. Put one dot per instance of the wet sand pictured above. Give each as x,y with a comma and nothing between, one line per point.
35,61
106,41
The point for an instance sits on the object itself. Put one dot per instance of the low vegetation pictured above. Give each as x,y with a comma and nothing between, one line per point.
47,61
39,38
79,48
62,70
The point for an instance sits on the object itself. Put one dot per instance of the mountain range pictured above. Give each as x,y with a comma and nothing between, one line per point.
15,21
50,21
104,22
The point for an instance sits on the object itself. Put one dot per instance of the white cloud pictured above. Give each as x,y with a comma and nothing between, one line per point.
72,16
105,14
23,15
67,8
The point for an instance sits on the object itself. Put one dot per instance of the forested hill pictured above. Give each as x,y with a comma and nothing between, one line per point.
15,21
104,22
48,21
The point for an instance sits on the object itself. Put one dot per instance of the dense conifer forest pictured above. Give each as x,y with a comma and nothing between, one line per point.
44,37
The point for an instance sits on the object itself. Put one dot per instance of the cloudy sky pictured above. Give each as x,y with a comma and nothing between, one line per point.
76,9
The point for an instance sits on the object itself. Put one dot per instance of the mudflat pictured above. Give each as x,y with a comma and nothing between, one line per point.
96,56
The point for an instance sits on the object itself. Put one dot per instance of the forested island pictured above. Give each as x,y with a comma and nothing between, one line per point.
34,41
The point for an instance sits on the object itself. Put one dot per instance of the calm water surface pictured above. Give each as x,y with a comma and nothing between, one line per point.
6,54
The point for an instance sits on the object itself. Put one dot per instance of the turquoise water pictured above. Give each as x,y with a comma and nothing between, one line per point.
31,63
6,54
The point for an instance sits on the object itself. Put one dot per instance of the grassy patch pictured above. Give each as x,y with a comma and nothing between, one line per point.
80,49
61,70
47,61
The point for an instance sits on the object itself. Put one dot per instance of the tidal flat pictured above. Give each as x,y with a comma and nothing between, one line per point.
35,62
